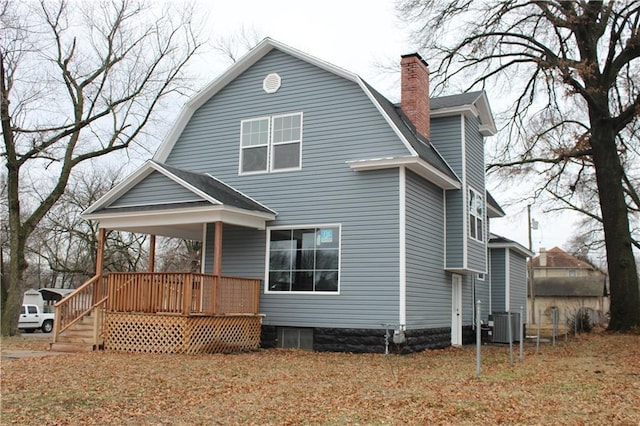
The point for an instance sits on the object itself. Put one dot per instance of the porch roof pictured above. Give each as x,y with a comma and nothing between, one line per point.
204,199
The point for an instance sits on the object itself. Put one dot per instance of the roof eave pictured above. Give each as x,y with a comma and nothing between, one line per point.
415,164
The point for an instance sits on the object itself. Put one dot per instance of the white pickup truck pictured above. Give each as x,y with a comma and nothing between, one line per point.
32,318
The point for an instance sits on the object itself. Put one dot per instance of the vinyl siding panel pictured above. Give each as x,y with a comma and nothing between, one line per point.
455,234
339,124
483,294
518,282
155,189
475,178
428,284
446,136
498,280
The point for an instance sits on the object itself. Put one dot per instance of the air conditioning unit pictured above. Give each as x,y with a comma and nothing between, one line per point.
500,329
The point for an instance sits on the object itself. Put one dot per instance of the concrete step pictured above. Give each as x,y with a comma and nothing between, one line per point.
77,334
71,347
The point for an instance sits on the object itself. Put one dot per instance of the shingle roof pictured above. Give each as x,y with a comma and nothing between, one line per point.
570,287
493,203
217,189
452,101
425,150
558,258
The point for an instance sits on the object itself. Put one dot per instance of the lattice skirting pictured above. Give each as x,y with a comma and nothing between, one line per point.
157,333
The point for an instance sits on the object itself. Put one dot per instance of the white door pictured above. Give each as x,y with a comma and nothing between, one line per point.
456,310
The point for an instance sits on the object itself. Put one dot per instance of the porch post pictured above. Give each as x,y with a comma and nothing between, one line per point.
217,250
100,251
98,290
152,253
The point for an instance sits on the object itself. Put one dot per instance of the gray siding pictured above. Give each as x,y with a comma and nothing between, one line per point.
155,189
467,300
446,136
474,152
455,229
483,294
474,175
498,280
339,124
428,285
518,282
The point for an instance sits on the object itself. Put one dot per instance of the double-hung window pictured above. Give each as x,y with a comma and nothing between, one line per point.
304,259
476,215
269,144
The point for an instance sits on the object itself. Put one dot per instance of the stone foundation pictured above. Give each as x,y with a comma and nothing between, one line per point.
358,340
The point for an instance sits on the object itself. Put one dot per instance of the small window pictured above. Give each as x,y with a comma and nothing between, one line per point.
480,277
304,259
476,215
32,309
271,144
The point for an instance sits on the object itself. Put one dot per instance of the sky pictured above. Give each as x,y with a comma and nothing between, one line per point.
358,35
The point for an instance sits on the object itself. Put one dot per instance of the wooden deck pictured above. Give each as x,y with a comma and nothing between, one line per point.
167,312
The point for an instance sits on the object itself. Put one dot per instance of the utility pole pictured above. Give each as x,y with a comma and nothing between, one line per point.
532,288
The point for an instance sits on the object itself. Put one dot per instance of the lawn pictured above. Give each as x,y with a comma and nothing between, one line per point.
591,379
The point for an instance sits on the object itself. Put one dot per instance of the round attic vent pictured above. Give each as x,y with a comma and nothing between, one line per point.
271,83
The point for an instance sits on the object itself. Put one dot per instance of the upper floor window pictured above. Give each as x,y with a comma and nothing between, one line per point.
476,215
270,144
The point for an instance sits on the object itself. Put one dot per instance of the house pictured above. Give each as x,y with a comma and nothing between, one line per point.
507,273
564,282
348,216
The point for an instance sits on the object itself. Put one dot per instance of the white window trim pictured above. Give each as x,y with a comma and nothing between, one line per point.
482,217
268,118
308,293
270,145
480,276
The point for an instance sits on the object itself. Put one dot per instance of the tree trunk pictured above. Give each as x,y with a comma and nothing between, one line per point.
623,275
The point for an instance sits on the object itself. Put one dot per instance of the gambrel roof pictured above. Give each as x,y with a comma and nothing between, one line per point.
421,157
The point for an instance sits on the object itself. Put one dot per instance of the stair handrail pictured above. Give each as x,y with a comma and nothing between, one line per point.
66,317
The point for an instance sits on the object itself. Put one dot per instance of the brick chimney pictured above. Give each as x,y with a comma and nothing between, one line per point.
414,97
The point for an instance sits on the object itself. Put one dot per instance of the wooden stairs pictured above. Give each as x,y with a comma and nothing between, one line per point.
79,337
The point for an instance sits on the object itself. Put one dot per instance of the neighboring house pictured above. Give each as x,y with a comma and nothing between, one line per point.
356,215
568,284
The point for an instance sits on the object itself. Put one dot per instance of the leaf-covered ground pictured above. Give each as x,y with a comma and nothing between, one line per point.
592,379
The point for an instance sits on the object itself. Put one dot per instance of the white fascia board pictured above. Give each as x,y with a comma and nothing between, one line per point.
512,246
413,163
492,212
480,108
204,214
121,188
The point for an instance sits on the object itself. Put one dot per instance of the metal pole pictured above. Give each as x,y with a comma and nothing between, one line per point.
538,335
478,338
554,319
530,269
521,356
510,338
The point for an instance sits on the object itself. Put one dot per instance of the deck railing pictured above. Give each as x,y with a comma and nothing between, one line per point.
182,293
86,298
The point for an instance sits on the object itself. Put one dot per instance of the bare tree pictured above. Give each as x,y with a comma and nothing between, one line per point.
177,255
77,83
573,68
69,243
